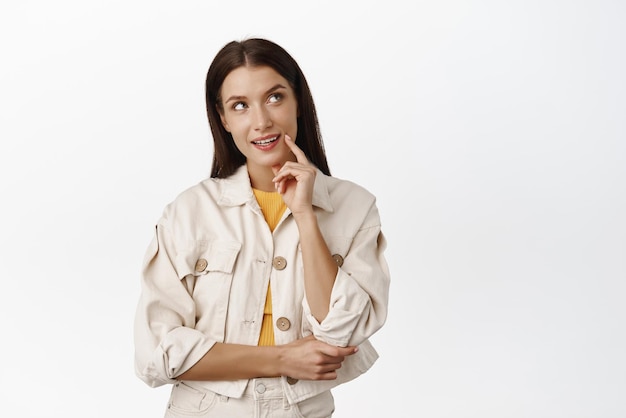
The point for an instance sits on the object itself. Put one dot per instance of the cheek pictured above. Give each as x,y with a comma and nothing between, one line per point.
236,126
290,118
238,135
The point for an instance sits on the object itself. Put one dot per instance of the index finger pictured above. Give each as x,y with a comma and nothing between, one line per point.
300,156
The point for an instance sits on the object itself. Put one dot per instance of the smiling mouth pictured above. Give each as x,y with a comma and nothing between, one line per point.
266,141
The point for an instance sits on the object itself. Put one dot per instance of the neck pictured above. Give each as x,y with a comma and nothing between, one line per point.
261,178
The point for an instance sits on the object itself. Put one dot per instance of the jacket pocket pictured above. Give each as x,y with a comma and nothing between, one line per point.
204,257
215,258
207,270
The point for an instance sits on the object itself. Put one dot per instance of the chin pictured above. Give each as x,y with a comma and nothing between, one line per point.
270,162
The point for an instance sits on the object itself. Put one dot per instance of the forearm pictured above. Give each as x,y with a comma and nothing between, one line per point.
235,361
305,358
320,269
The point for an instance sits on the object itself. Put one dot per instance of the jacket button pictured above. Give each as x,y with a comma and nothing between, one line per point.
291,380
283,323
201,264
279,263
338,259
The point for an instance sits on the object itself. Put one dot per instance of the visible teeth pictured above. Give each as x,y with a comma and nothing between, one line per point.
266,141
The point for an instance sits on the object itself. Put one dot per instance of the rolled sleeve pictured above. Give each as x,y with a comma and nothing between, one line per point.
348,303
166,343
171,358
359,298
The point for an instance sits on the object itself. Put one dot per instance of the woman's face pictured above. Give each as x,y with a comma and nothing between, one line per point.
259,108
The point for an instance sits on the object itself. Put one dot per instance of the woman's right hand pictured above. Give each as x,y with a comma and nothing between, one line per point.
310,359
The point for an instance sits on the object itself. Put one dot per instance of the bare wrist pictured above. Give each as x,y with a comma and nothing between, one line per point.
278,358
304,219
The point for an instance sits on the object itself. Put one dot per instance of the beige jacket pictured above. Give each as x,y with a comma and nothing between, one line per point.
206,272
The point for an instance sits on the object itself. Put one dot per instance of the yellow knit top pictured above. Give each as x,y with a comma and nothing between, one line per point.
273,207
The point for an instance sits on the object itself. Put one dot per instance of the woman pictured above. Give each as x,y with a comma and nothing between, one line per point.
264,282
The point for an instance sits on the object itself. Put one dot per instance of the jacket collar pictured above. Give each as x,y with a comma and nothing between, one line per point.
236,190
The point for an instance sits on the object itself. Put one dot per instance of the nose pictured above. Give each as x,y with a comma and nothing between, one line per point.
262,119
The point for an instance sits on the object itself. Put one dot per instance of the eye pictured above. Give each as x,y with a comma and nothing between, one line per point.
239,106
275,97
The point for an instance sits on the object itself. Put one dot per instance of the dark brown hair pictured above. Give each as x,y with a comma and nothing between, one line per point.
257,52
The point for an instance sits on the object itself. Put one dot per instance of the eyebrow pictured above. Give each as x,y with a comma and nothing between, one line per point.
275,87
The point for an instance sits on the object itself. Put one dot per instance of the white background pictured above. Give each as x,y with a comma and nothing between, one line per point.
492,132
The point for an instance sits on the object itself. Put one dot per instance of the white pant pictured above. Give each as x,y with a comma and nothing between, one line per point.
263,398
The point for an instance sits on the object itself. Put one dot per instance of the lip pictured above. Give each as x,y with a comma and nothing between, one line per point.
268,145
263,138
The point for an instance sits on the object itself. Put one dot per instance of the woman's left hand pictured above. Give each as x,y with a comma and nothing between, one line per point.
295,180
